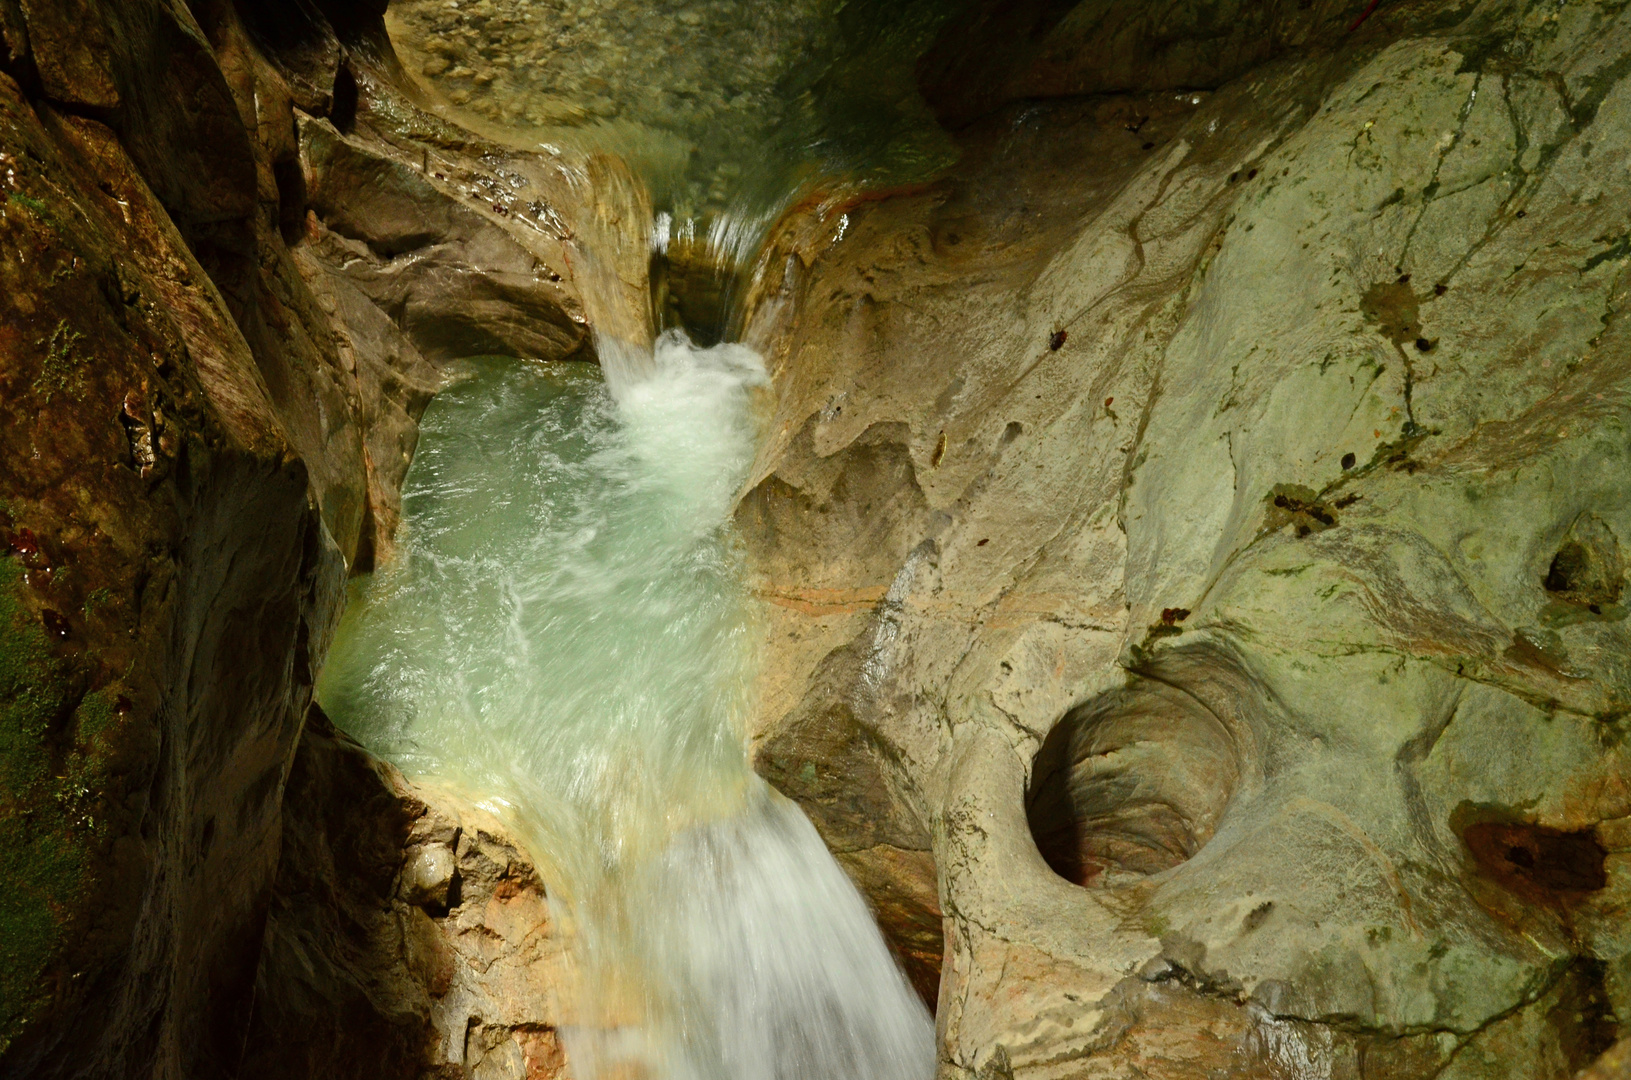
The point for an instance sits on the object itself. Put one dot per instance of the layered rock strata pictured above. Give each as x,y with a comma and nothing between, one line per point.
211,397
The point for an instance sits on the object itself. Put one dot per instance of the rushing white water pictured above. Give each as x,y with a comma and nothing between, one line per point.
564,634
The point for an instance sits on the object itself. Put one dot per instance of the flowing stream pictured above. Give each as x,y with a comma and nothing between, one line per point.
565,634
730,111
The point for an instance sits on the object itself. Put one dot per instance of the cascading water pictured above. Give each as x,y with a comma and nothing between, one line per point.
729,110
563,634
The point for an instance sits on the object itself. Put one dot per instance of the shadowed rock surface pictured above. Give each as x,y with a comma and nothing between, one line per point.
205,425
171,570
407,937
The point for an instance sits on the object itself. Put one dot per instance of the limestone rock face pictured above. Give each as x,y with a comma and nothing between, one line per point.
1192,543
995,53
407,935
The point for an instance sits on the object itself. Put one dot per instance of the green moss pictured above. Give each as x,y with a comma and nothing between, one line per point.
45,825
31,694
62,371
44,871
93,716
28,202
40,211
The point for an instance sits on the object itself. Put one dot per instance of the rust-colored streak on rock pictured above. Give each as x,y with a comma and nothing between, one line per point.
826,601
1541,864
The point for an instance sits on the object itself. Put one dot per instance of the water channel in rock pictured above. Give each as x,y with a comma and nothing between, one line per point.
730,111
563,633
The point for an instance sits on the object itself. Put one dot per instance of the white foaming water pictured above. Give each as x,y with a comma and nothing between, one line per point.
564,635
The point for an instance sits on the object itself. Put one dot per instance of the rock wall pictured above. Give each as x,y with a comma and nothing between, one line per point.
408,936
1190,538
210,400
168,578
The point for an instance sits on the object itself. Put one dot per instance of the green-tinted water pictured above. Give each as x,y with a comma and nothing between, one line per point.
564,636
728,109
560,588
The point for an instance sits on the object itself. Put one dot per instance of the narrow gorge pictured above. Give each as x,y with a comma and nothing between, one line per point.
827,540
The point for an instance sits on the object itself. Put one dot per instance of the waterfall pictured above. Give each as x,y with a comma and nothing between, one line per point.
564,634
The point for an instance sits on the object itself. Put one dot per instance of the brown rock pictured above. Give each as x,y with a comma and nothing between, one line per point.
69,45
389,955
457,281
195,443
1615,1064
149,732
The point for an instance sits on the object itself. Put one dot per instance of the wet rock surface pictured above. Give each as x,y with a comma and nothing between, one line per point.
457,280
407,935
1191,537
725,105
1189,531
167,578
206,425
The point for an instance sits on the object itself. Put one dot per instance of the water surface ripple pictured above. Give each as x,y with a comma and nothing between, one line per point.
564,634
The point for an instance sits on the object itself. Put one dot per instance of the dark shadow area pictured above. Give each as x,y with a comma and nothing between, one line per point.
1133,782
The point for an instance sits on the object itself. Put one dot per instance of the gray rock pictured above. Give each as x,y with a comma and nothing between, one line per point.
1172,493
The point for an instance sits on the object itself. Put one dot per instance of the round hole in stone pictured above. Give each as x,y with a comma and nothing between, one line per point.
1130,784
1589,568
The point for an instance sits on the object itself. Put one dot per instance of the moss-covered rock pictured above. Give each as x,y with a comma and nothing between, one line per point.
164,577
46,823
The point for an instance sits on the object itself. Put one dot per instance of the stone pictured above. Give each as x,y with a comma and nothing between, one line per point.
1612,1065
389,384
70,49
1189,539
205,427
158,630
407,934
452,278
16,58
1231,656
427,876
994,54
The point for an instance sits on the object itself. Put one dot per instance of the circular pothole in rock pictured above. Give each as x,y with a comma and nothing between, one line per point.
1589,568
1131,783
